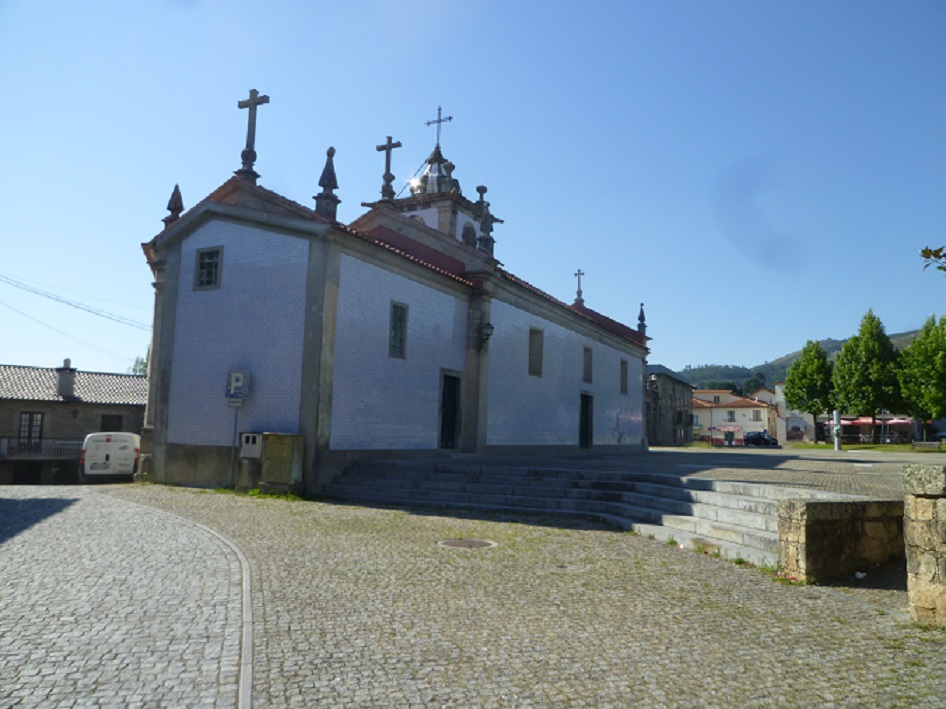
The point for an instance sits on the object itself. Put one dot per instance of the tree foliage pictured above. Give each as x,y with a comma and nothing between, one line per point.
865,373
753,383
808,385
141,363
922,372
934,257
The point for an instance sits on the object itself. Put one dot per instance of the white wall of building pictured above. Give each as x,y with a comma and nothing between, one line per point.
530,410
383,402
253,321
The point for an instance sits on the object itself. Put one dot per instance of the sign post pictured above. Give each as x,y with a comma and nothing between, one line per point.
238,390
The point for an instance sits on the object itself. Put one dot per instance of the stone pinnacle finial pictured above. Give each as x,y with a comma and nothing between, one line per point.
326,202
642,322
175,207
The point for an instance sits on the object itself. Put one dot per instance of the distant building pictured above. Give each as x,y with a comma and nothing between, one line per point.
668,400
793,425
45,413
723,418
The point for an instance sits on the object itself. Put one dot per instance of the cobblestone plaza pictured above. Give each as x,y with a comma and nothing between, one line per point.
132,595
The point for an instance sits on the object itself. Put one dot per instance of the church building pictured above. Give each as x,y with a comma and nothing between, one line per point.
397,335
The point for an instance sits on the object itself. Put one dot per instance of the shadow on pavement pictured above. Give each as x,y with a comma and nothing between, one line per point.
18,515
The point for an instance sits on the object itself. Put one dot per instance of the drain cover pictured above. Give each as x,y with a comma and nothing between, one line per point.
465,543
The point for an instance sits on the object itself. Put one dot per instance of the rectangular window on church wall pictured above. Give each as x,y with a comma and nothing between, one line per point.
397,341
535,352
624,376
587,369
208,267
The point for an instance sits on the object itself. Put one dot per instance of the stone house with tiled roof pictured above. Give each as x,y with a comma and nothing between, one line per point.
669,403
46,412
723,418
397,335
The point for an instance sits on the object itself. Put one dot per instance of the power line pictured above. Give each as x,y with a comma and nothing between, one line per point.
79,306
38,284
65,334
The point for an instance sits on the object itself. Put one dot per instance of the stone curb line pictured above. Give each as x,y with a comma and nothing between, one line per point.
245,692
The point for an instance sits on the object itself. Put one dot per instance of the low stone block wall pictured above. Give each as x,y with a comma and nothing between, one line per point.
822,539
925,535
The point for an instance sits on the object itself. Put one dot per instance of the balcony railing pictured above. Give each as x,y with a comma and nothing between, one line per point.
43,449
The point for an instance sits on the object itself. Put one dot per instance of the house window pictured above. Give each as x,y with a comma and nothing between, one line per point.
624,376
695,419
535,352
31,432
715,398
587,368
111,422
31,426
730,416
756,415
397,340
208,268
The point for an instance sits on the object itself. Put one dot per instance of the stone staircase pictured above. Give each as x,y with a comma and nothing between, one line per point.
736,519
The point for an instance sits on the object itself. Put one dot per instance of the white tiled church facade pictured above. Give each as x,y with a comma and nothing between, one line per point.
384,402
253,321
544,410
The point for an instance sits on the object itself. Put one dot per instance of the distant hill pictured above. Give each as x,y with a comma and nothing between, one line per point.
773,371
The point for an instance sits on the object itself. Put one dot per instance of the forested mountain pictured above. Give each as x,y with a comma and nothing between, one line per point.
721,376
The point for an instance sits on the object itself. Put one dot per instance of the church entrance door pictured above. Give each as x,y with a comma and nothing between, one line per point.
586,421
449,411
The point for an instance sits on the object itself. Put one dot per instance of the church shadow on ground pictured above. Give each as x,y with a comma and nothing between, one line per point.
16,516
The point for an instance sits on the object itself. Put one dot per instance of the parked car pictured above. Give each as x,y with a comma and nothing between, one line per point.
107,454
759,438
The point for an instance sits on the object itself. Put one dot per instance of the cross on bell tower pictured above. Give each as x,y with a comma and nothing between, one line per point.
438,121
249,153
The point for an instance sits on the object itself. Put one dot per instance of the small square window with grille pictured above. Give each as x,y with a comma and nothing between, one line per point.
208,268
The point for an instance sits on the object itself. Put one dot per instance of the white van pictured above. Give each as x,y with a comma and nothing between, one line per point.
109,454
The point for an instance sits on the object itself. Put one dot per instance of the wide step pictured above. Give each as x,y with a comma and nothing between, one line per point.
737,520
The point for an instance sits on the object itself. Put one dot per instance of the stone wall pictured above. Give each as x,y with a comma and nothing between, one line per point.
821,539
925,536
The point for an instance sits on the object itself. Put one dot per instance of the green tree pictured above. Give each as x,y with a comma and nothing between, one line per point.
934,257
808,385
141,363
753,383
865,373
922,372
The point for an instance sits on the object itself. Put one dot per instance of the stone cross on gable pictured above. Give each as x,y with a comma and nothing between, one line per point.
387,191
438,122
578,274
249,153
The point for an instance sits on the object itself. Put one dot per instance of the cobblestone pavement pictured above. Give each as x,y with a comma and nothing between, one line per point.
108,604
361,607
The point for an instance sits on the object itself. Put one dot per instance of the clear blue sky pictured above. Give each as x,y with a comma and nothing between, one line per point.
758,174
